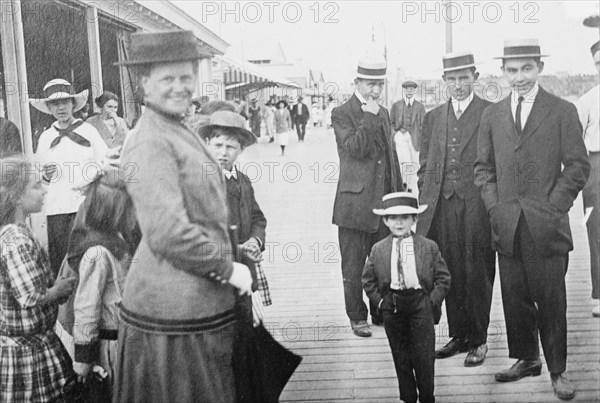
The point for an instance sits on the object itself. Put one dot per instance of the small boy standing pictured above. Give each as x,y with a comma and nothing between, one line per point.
407,278
227,138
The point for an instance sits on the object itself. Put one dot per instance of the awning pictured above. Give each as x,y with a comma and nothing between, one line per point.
242,74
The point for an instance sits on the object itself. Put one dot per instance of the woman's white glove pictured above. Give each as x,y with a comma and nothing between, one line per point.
241,278
258,311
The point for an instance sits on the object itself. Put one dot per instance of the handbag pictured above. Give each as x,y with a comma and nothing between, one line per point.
96,389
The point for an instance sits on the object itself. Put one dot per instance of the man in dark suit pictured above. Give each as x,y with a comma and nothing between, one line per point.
457,219
531,164
407,118
368,170
300,116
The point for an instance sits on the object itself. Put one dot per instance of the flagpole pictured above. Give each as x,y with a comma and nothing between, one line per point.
448,15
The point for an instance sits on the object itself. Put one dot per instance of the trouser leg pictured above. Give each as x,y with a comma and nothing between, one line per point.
59,231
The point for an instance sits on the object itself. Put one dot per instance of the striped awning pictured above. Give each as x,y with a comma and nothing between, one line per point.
240,73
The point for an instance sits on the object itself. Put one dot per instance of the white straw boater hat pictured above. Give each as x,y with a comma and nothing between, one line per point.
457,61
519,48
400,203
59,89
371,68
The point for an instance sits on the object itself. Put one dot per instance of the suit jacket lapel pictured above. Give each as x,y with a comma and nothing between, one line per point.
507,122
417,245
471,122
442,129
538,113
386,255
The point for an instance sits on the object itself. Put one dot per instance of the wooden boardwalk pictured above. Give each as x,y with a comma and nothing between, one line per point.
302,263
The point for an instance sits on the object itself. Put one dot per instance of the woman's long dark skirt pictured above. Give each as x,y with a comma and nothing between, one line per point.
184,368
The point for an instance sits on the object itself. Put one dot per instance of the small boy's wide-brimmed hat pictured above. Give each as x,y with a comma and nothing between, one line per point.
233,122
520,48
163,47
400,203
371,68
59,89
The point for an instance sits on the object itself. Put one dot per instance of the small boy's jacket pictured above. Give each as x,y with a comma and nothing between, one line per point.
432,271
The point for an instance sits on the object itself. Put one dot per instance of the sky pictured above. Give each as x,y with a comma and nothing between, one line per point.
332,36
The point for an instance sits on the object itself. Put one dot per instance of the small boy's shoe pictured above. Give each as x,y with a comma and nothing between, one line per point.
476,356
563,389
596,311
377,320
361,328
454,346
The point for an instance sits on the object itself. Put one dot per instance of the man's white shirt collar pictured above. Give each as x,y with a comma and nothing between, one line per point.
527,98
360,97
408,101
464,104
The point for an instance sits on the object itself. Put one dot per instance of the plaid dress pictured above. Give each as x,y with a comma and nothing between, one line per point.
34,365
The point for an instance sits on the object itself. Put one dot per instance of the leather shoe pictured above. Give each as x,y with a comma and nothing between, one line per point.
377,321
596,311
454,346
361,328
562,387
476,356
520,369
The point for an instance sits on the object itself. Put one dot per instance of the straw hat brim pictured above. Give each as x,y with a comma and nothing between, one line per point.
400,210
79,101
520,56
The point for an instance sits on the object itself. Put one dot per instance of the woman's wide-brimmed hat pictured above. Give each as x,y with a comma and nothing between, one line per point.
163,47
59,89
520,48
371,68
233,122
400,203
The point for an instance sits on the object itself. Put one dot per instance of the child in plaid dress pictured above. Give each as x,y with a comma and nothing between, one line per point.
34,365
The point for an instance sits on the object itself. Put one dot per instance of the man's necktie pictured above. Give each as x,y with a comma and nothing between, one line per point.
518,117
459,112
401,279
68,132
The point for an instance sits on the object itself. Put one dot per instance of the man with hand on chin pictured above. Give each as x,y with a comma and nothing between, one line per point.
369,169
535,138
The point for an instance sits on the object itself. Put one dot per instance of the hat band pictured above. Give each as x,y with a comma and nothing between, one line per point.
58,88
522,50
458,61
161,54
401,201
371,72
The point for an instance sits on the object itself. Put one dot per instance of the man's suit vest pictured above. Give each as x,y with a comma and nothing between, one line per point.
452,182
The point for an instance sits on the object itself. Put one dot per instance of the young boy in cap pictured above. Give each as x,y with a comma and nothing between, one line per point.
536,136
407,117
407,278
227,138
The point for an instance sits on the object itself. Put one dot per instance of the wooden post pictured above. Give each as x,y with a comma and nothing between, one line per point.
449,18
93,36
15,74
